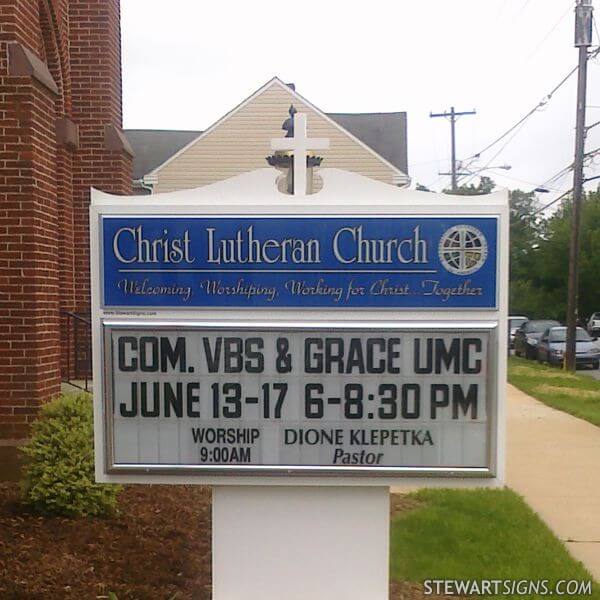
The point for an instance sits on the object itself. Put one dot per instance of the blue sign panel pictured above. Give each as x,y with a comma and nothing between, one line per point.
334,262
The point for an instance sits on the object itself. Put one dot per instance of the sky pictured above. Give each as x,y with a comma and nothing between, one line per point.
188,62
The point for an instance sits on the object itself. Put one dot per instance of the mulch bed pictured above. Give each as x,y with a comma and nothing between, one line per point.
157,548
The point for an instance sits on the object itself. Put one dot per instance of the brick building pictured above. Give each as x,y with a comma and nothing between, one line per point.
60,133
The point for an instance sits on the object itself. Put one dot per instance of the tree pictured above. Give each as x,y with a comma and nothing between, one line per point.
554,257
422,188
526,233
540,258
485,186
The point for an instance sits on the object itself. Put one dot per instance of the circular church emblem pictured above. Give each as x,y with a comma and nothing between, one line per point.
463,249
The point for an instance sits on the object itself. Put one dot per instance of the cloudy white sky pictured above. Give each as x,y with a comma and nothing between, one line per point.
187,62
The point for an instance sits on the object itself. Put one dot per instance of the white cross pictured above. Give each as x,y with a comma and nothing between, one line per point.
300,144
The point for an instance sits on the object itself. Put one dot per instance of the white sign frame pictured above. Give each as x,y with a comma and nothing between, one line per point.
343,194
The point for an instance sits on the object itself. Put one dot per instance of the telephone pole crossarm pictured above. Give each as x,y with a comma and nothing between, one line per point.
453,115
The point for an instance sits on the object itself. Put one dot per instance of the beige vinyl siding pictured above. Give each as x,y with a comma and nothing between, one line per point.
241,142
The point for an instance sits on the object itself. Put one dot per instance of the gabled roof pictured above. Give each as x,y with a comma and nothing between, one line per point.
154,146
382,134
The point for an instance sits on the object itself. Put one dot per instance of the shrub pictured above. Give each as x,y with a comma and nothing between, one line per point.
58,476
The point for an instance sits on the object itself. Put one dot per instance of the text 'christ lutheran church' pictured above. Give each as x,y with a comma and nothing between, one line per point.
348,244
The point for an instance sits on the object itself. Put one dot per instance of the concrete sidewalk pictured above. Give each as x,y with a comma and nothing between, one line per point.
553,461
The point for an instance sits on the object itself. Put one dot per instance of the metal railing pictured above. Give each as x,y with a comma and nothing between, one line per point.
79,350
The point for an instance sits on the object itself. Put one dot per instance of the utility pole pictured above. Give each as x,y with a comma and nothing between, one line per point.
583,40
453,116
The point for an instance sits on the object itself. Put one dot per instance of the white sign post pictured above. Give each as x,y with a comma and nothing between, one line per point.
301,354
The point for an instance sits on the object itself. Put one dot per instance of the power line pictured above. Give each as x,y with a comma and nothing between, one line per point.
544,39
548,182
539,105
555,178
493,158
546,206
517,179
561,197
561,174
519,125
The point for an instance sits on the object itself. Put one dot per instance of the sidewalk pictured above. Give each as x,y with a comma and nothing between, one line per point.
553,461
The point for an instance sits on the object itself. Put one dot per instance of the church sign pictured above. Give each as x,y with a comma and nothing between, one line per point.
381,355
354,336
305,261
300,398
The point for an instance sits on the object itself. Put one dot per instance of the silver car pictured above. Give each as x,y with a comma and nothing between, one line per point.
514,322
593,325
551,347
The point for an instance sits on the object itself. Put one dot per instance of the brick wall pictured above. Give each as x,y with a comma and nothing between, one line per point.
95,32
64,73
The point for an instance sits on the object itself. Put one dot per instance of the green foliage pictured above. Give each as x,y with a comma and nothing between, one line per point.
485,186
526,233
59,462
540,258
575,394
556,254
474,535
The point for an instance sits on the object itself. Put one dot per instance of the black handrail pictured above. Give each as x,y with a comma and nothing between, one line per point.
77,316
80,325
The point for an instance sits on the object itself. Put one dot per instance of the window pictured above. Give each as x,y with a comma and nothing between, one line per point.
560,335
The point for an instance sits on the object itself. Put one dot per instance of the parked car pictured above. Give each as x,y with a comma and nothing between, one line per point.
528,336
593,325
551,347
514,323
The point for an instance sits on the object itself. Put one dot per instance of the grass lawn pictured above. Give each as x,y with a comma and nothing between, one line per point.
576,394
477,534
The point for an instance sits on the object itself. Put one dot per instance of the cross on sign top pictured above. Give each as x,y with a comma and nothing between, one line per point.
300,144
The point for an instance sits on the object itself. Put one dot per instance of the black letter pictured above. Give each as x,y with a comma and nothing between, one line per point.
145,366
156,401
251,354
332,357
173,355
442,355
435,403
191,399
429,357
308,368
416,412
212,360
122,364
371,368
173,400
233,355
392,354
134,403
459,399
467,368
